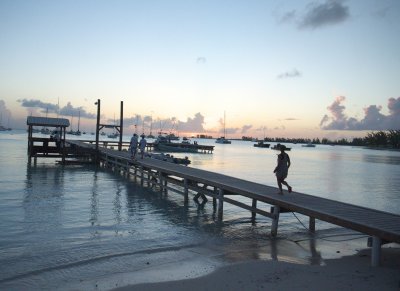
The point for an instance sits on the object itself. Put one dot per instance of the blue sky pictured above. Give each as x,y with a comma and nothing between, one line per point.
286,68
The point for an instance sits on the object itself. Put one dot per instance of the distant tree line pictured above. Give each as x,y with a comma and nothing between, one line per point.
384,139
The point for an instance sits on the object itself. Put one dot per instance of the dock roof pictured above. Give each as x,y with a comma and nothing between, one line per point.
47,121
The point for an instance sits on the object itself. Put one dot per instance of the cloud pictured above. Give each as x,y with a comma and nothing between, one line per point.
288,17
232,130
34,103
192,124
330,12
290,74
394,106
373,118
70,110
67,110
201,60
246,128
3,109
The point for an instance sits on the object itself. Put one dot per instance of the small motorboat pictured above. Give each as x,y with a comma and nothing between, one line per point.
261,144
309,145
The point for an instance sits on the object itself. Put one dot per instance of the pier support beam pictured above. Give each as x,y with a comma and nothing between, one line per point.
215,199
376,251
161,178
311,224
253,213
275,220
185,191
165,187
220,203
141,175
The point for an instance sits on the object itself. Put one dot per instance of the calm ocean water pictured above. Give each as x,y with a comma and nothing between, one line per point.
78,227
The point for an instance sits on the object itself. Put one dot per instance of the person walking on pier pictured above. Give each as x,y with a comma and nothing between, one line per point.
281,170
142,146
133,145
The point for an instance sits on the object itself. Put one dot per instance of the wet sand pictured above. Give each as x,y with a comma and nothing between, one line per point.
347,273
306,264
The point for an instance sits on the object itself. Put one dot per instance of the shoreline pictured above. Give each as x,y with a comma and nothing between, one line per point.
347,273
281,265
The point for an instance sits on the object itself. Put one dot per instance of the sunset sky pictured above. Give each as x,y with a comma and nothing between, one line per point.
279,68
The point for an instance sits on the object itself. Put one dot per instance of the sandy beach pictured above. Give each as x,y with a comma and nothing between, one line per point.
347,273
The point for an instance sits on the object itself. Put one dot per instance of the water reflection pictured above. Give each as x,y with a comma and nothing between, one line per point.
384,159
94,200
235,240
43,201
117,206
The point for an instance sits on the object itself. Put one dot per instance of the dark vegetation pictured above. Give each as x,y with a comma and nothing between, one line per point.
379,139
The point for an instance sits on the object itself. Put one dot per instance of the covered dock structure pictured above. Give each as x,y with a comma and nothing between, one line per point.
47,146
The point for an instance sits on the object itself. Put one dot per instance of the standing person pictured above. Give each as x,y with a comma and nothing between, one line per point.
57,137
281,170
142,145
133,145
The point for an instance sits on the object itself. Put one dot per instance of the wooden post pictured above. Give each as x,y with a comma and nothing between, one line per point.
220,203
161,181
135,172
185,191
165,186
30,143
97,130
215,199
121,125
311,224
149,177
141,175
275,220
62,144
253,213
376,251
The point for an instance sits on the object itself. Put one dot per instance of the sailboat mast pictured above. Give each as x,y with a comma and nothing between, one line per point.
224,125
79,119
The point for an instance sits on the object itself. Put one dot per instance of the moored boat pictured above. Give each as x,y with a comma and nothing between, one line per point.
309,145
113,135
261,144
163,144
222,140
170,158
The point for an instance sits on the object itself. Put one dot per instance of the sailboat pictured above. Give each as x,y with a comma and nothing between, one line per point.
2,128
45,130
78,132
115,134
151,128
222,139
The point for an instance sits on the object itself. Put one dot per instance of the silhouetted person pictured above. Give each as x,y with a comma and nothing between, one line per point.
133,145
142,146
281,170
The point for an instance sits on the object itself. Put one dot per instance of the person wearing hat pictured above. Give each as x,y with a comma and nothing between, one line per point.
133,145
281,170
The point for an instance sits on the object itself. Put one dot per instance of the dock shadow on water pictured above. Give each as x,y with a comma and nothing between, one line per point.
94,229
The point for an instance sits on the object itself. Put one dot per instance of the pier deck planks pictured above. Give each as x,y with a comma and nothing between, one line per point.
365,220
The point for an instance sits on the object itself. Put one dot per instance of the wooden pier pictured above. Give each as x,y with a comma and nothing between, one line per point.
383,227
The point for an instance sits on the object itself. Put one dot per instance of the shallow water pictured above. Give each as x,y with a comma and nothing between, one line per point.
63,227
